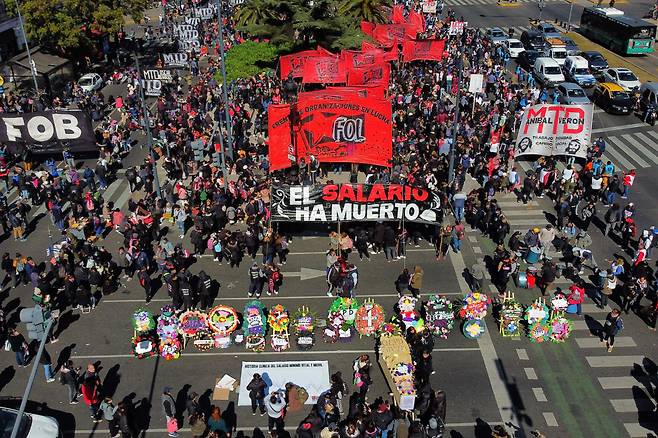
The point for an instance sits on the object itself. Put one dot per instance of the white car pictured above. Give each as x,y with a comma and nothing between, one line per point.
32,425
514,47
496,35
91,82
623,77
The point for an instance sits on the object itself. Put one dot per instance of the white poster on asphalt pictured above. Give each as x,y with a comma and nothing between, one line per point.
313,376
555,130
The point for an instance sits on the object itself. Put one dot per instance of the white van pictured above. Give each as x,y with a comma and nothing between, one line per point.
547,71
556,49
576,69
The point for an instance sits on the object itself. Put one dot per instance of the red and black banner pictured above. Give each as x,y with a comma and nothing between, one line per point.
371,75
390,34
358,59
428,50
295,62
354,202
343,127
280,142
324,70
417,21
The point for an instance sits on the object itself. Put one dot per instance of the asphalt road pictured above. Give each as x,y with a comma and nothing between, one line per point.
569,390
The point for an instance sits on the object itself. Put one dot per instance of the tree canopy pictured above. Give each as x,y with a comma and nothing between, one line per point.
298,24
248,59
68,25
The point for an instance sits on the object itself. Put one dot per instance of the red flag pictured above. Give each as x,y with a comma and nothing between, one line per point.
294,63
356,59
366,46
377,74
324,70
279,146
393,54
431,50
348,129
389,34
324,52
417,21
398,14
373,92
367,27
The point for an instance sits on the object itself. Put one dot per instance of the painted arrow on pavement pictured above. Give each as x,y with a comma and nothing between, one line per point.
306,273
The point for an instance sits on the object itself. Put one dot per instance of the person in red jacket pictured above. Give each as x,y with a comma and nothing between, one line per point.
577,295
91,391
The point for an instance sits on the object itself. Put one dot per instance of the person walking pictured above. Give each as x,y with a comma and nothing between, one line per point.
68,376
611,327
416,282
362,380
256,280
109,410
168,403
47,363
91,391
19,346
256,390
275,405
145,282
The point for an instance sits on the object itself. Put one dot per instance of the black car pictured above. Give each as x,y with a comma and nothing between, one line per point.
597,63
527,59
532,40
613,99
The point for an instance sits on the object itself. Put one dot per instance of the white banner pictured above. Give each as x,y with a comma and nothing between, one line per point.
313,376
429,6
192,21
189,45
476,84
555,130
161,75
457,27
152,87
204,13
180,29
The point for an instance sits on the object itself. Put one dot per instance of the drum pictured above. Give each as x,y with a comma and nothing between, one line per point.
522,280
533,255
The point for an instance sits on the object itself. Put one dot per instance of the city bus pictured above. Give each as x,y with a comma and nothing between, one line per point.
615,31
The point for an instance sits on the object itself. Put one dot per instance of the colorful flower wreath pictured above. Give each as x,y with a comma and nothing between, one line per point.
335,321
145,345
254,322
403,377
143,321
510,317
369,318
303,320
278,319
280,341
192,321
439,316
561,327
170,348
389,329
474,328
539,332
559,302
474,306
168,324
347,307
222,319
537,312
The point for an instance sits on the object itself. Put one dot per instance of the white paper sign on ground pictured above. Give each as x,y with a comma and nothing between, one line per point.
310,375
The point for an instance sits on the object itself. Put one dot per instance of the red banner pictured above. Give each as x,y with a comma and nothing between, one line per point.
430,50
355,59
350,130
294,63
280,145
389,55
398,14
389,34
375,75
371,91
324,70
417,21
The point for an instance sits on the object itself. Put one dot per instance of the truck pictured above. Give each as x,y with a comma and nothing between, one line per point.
556,49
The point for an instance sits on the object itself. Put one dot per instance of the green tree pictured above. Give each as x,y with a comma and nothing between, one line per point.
248,59
69,25
256,12
374,11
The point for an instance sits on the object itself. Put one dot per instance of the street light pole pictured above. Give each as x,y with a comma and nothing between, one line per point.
227,116
570,12
27,48
147,126
451,168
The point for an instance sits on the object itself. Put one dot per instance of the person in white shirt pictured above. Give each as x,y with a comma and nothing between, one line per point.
275,405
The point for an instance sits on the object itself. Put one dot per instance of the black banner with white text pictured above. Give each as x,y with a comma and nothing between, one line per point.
66,127
354,202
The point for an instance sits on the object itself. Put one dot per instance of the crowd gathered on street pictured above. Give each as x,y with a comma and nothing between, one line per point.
223,211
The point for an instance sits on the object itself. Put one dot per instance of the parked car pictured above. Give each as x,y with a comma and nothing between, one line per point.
570,45
623,77
532,40
547,71
597,63
613,99
496,35
527,59
571,94
514,47
576,69
91,82
31,425
548,30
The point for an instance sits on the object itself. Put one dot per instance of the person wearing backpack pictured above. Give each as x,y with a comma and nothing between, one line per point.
611,327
